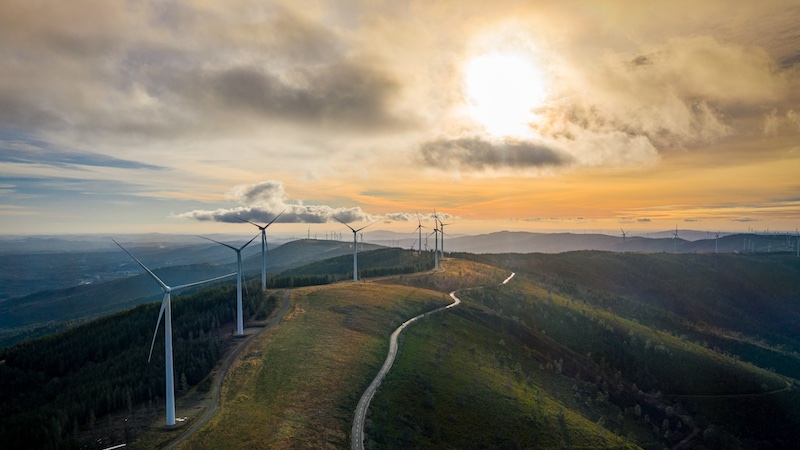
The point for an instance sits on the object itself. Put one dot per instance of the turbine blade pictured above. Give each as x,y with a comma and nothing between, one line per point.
158,322
251,223
365,226
218,242
273,220
248,243
203,281
158,280
348,226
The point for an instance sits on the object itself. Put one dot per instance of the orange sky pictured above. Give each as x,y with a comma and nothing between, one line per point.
543,116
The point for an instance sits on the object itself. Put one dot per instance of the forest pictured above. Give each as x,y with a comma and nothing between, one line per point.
53,387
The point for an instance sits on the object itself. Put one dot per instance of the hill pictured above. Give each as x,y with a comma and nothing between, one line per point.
582,349
50,310
54,388
371,263
525,242
572,344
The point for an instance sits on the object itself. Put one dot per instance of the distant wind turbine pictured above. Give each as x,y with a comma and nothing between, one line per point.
441,229
419,230
355,247
716,242
264,248
239,318
166,312
675,240
624,235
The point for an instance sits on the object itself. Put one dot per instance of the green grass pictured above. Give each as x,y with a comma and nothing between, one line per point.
297,386
459,384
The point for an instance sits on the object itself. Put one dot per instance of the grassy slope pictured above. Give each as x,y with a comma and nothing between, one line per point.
649,386
459,384
519,365
298,385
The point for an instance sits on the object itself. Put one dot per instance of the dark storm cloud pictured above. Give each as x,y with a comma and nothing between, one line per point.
478,153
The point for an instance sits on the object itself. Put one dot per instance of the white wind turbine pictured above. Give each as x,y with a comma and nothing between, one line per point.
264,248
166,312
239,319
435,232
624,235
355,247
441,229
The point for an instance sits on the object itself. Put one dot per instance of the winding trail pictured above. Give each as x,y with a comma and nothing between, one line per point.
357,432
223,370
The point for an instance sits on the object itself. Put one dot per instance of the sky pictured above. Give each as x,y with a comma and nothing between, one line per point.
186,116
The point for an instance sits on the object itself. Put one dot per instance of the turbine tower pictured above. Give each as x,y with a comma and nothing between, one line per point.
624,235
355,247
264,248
239,319
166,312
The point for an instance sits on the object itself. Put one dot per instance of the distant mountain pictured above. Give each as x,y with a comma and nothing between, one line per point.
524,242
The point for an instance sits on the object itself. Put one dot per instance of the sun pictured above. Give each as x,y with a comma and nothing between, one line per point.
503,89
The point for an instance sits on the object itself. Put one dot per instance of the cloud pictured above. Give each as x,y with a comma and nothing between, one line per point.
745,219
691,219
480,153
355,94
180,69
262,202
644,220
680,93
32,151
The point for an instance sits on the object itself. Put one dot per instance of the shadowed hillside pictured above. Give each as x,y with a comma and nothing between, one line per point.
659,354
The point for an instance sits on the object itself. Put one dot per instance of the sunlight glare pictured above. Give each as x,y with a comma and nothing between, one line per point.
503,89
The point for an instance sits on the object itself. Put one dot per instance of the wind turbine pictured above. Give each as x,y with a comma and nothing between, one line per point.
675,240
441,229
239,319
716,242
355,247
166,312
436,241
264,248
419,229
624,235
